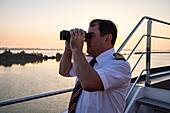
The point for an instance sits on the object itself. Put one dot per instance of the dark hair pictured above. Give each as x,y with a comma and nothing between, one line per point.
106,27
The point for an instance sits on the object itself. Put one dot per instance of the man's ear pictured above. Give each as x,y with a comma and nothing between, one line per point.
108,38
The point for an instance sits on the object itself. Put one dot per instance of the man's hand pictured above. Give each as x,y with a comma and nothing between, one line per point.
77,39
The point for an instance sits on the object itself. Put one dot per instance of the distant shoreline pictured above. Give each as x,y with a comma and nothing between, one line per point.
53,49
7,58
6,48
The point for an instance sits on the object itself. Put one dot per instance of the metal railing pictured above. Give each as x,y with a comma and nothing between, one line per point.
138,77
136,27
18,100
148,46
148,49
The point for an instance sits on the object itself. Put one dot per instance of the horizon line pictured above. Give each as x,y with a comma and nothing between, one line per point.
22,48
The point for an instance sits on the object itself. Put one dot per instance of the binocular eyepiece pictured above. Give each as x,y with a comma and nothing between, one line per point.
65,35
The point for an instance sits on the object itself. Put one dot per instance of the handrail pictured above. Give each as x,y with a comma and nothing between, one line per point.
135,47
160,37
141,40
148,48
130,35
144,52
141,58
18,100
157,20
136,81
138,61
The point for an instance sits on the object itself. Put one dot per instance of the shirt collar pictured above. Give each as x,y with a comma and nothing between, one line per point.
100,58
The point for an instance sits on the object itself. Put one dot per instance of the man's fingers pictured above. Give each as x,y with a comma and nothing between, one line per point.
77,32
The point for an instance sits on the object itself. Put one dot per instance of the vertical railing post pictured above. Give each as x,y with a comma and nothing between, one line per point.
148,54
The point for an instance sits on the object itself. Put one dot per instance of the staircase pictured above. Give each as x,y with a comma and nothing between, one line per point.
148,100
156,105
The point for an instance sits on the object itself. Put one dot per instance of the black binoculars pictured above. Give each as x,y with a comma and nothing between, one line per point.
65,35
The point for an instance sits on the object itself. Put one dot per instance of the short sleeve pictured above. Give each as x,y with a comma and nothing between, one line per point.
115,74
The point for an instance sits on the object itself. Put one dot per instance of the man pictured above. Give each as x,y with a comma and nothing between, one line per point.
105,84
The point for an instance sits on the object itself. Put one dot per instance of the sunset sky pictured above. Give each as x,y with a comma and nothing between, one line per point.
37,23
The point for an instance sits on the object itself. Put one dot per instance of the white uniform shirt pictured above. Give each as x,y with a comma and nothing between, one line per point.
115,76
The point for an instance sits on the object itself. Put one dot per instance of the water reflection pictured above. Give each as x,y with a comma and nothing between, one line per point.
19,62
32,79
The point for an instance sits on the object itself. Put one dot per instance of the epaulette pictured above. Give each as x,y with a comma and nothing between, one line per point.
118,56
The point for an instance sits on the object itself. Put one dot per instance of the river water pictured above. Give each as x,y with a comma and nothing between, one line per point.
30,79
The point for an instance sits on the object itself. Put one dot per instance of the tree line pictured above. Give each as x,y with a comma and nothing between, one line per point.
7,58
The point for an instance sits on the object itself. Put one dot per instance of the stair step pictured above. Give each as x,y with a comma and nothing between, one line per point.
157,104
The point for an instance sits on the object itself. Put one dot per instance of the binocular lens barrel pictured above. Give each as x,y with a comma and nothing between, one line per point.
65,35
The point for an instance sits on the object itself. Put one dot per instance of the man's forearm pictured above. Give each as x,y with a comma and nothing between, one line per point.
65,63
88,77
